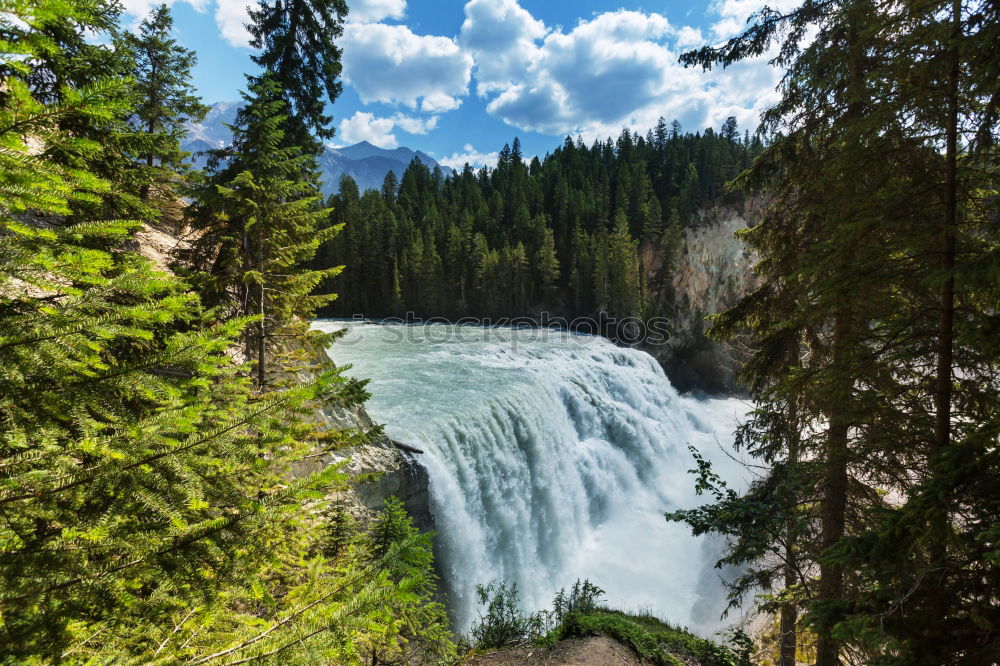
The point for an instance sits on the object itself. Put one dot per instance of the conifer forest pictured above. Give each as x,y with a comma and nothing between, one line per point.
183,472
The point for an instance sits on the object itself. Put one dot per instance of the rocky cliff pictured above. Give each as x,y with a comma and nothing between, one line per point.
708,273
385,468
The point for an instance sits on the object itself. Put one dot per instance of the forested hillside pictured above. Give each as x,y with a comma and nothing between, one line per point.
559,234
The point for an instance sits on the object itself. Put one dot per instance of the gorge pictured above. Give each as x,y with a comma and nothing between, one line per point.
551,456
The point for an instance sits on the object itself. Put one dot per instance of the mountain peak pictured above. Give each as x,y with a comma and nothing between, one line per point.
366,163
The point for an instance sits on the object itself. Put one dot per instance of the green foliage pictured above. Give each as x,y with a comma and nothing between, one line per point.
651,638
875,400
415,627
154,505
61,50
582,598
299,53
259,223
504,623
638,639
578,614
164,102
304,607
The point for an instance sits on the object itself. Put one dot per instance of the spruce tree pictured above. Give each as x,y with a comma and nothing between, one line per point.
138,472
70,50
164,99
547,265
299,53
261,224
860,263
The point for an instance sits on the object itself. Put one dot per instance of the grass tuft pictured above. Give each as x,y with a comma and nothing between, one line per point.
649,637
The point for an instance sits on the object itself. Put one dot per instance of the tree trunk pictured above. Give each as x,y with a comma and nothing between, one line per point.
789,617
261,329
833,508
150,128
938,601
788,641
946,323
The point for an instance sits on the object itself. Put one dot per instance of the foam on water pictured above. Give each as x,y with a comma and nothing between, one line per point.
551,457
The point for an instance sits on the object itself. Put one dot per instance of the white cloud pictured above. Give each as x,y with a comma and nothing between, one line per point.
231,17
141,8
501,36
439,102
689,38
596,76
391,64
471,156
370,11
364,126
415,125
617,69
733,14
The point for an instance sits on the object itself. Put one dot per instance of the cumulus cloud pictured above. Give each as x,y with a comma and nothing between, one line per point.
231,17
415,125
734,14
616,69
689,38
501,36
370,11
597,75
391,64
363,126
141,8
471,156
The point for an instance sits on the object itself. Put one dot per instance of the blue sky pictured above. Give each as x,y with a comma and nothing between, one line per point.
459,78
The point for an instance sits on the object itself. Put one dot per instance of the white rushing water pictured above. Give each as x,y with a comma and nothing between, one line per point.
551,457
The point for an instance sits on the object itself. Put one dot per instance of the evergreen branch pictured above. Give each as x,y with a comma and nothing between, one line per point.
177,628
153,458
264,634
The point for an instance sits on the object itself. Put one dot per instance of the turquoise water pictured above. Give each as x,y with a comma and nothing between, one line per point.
551,457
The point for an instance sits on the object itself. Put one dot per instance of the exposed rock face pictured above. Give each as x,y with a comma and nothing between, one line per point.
390,471
710,273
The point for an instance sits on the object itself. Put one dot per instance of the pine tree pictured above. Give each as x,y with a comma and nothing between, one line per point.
151,514
297,40
861,264
264,224
547,266
70,50
165,98
138,472
729,131
624,295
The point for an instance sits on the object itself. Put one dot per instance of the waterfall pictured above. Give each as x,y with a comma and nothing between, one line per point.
551,457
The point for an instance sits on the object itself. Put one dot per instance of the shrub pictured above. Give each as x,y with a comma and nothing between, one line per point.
504,623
